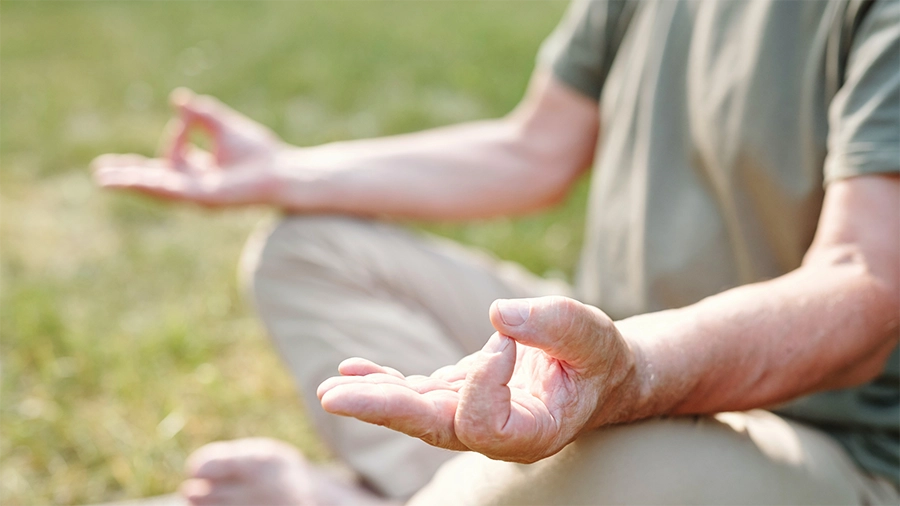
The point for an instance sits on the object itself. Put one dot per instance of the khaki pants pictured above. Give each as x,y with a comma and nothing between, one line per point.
329,288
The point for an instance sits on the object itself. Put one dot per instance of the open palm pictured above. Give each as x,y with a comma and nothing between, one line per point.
530,391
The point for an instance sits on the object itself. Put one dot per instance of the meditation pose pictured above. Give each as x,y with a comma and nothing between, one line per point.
732,332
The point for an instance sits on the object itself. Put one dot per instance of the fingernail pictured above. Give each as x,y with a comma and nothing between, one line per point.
496,343
513,312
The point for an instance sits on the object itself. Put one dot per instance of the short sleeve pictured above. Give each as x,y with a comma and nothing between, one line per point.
581,49
864,116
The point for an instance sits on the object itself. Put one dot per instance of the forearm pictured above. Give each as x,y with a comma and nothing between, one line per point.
513,165
828,324
472,170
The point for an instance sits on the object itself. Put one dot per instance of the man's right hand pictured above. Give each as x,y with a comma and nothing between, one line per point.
240,169
554,369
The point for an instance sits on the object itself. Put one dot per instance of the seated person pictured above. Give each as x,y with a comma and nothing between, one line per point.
732,334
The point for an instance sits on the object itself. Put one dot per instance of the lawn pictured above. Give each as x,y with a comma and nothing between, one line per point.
124,339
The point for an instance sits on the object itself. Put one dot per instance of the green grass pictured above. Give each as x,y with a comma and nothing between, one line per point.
124,340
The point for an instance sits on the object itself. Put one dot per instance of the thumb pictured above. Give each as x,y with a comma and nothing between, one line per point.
485,399
225,127
564,328
233,134
201,110
193,111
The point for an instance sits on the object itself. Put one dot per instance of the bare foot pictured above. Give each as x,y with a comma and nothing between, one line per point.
266,472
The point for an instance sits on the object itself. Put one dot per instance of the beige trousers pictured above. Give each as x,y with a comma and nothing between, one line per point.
329,288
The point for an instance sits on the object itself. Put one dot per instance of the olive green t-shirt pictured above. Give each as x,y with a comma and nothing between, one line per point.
717,141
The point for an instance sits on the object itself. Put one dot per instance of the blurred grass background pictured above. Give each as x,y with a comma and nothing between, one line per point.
124,340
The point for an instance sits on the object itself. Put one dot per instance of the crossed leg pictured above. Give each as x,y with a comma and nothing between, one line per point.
754,458
329,288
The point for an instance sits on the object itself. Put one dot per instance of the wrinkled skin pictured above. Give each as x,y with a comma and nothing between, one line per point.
531,390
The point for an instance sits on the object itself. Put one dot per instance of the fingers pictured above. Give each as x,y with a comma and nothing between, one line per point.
193,111
148,178
485,399
360,367
419,406
418,384
373,378
233,134
450,373
457,371
564,328
425,416
176,149
202,110
378,402
155,177
173,143
126,171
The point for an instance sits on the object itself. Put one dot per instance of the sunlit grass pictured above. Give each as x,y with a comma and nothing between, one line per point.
125,340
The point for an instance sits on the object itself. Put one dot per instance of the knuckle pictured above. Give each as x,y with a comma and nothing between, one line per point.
437,438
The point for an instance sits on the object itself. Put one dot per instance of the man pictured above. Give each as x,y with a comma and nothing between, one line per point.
728,280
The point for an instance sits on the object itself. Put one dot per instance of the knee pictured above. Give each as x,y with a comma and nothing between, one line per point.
622,462
652,462
291,249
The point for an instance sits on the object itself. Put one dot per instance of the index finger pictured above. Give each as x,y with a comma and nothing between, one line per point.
192,111
173,143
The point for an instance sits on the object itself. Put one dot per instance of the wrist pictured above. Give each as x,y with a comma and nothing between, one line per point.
620,387
297,183
640,387
664,371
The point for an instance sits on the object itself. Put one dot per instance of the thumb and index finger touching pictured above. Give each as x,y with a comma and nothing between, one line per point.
563,328
173,176
193,111
485,416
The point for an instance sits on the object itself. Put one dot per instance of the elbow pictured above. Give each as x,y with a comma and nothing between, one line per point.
882,313
543,184
876,285
869,299
554,173
865,370
876,274
558,185
883,310
553,159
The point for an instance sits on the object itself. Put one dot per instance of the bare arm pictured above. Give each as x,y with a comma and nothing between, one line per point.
512,165
520,163
557,367
829,324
